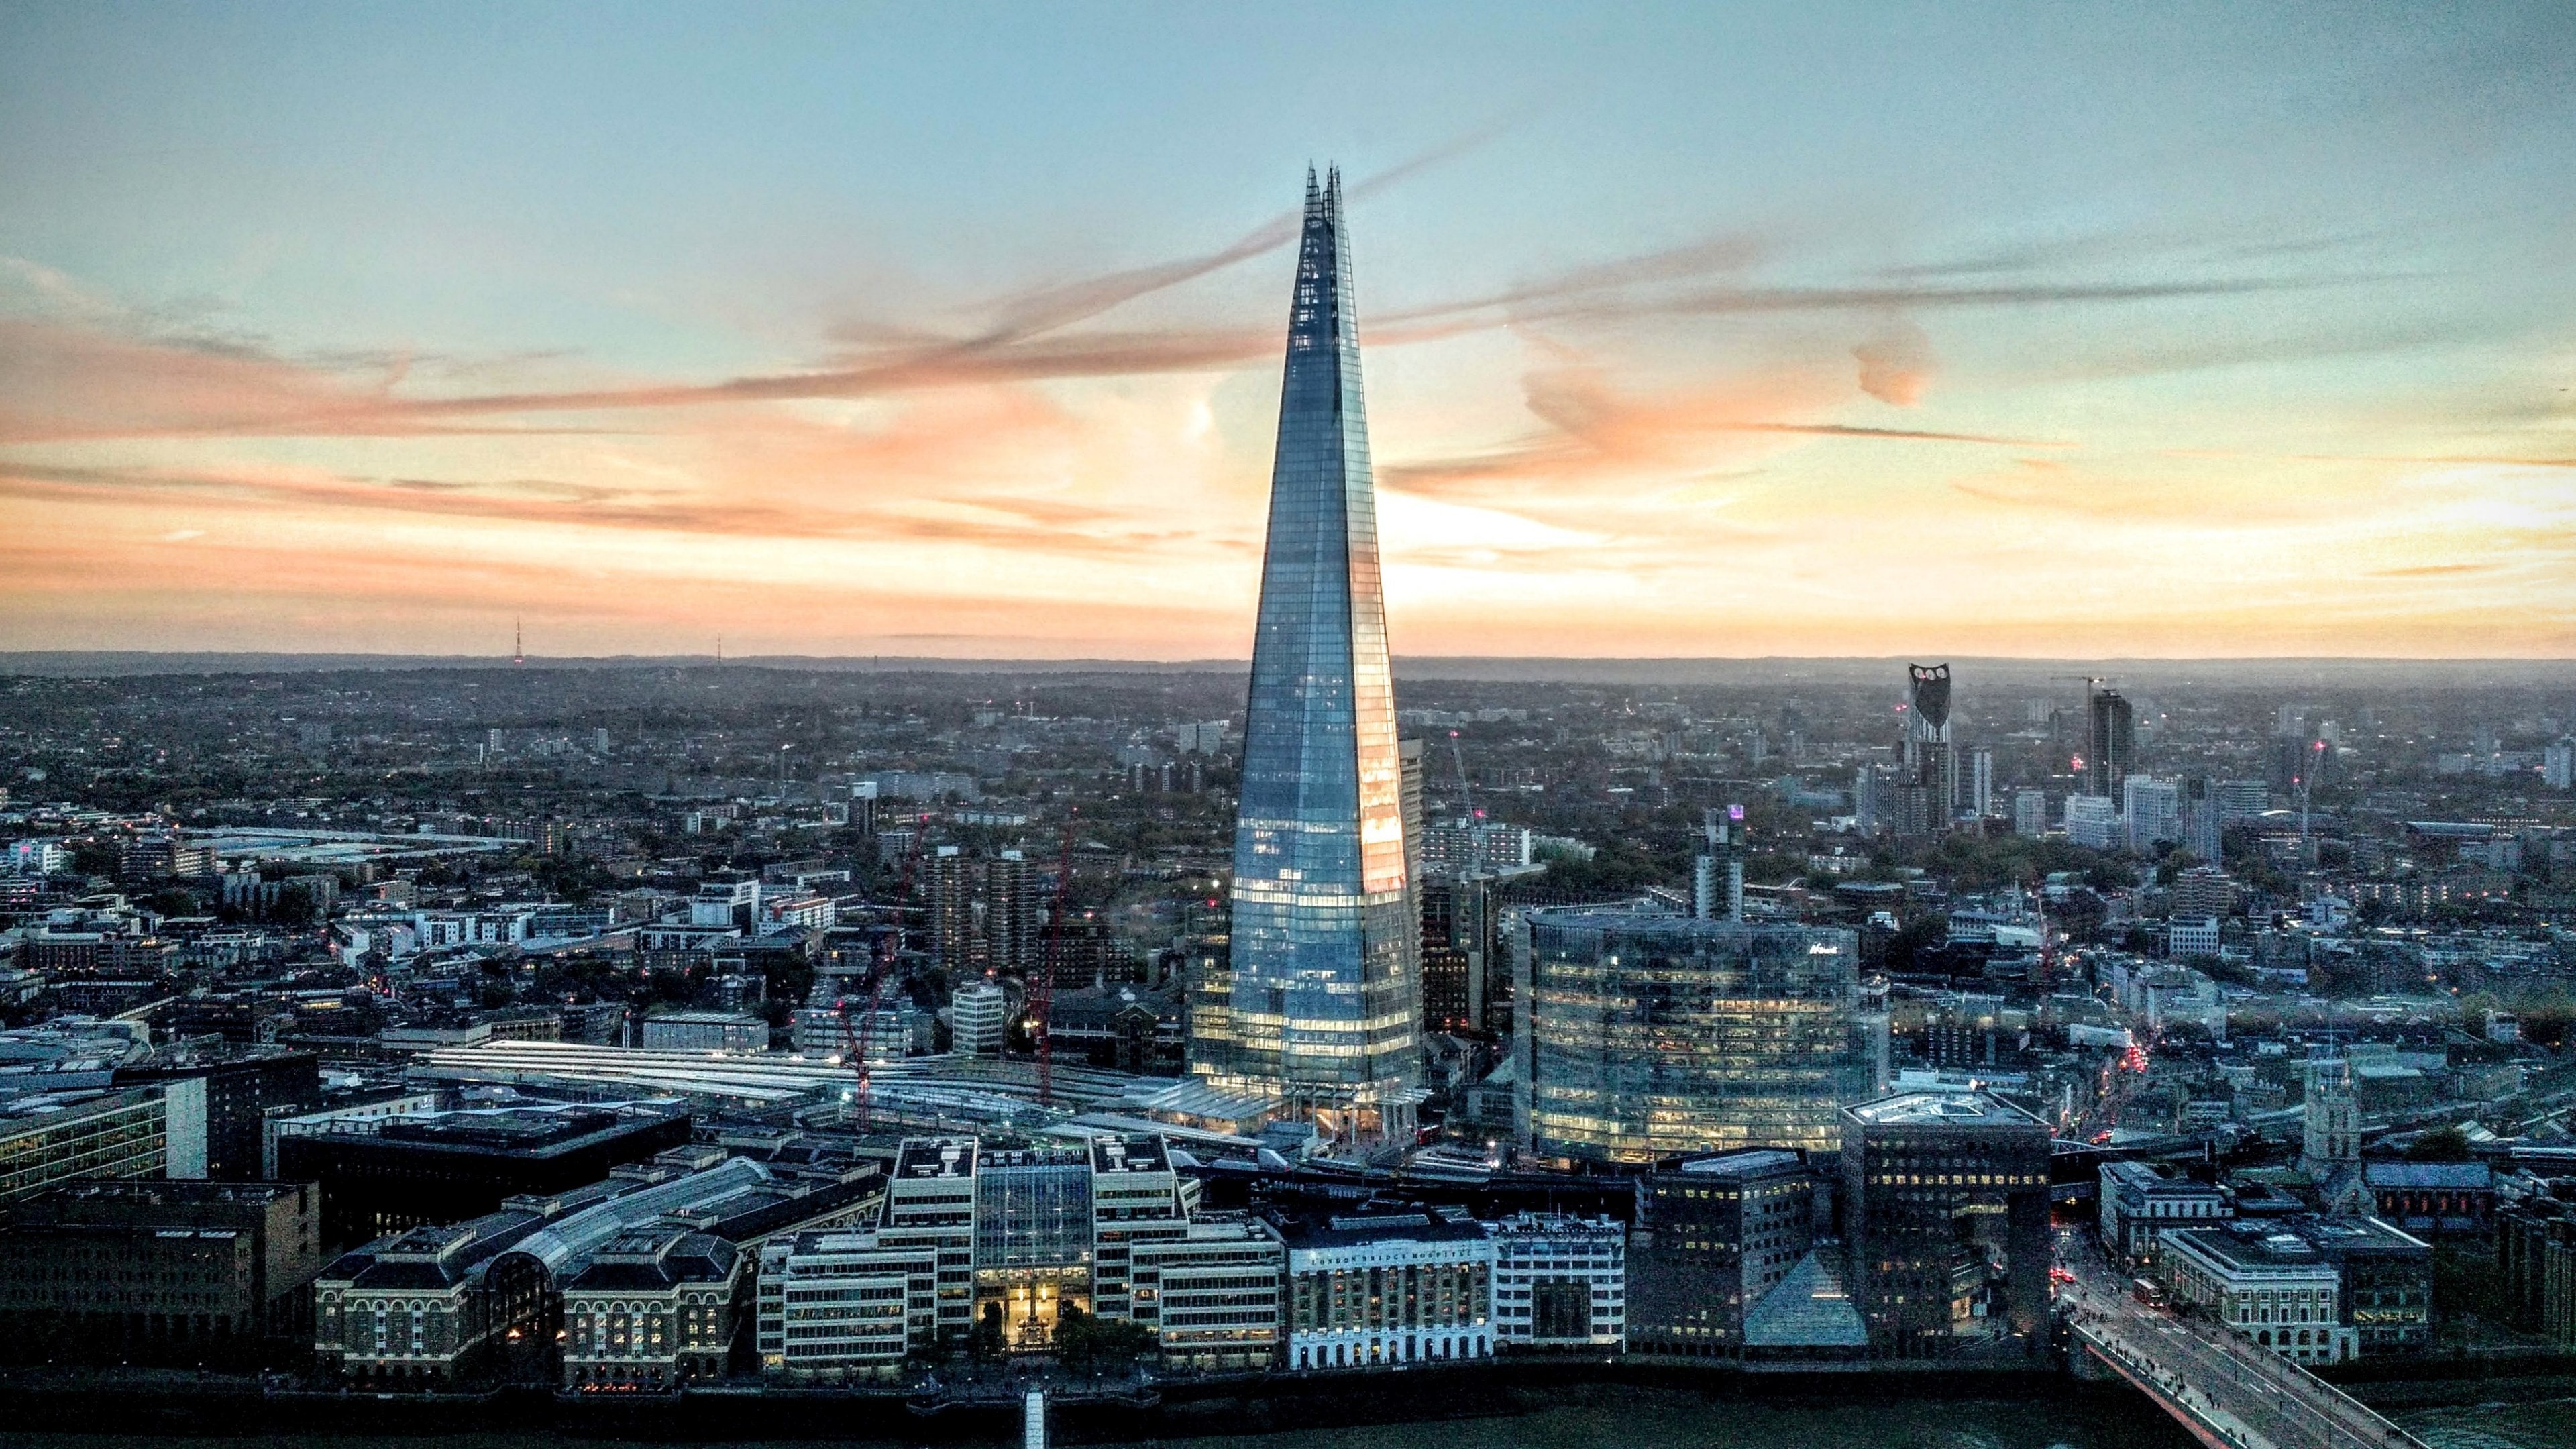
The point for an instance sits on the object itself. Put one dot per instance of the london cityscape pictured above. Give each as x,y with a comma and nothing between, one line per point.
1861,732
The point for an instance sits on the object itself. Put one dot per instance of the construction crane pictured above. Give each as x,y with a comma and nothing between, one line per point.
1042,981
1466,793
858,1036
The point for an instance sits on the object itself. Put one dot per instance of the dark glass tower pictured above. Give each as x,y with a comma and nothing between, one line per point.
1931,789
1322,1008
2114,744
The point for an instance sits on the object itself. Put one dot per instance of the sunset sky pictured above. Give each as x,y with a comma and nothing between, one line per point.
2075,330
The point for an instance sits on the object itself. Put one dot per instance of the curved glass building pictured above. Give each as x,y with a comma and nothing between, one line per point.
1652,1036
1321,1007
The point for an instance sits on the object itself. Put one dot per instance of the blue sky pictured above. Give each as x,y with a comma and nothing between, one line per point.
1691,329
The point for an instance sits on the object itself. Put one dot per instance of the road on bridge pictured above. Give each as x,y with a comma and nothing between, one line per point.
2243,1392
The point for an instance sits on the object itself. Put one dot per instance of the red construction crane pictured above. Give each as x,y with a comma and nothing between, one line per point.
857,1036
1042,980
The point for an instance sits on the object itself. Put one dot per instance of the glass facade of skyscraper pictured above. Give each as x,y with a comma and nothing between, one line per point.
1656,1035
1321,1006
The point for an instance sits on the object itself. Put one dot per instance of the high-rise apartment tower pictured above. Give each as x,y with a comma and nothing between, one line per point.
2112,747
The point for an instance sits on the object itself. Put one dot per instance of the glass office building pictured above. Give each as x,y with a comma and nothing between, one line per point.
1651,1036
1321,1005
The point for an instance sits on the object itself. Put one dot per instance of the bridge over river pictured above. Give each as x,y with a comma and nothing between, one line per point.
2230,1393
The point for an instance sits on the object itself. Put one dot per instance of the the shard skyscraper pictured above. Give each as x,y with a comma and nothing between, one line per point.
1320,1005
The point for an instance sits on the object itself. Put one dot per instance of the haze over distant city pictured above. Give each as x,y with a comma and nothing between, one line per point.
1860,330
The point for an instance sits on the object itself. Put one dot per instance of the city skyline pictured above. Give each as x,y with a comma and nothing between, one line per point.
1854,333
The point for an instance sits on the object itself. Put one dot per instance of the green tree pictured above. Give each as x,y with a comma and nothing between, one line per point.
1085,1344
2442,1144
984,1344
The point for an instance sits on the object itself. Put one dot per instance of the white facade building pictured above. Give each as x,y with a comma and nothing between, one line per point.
1560,1281
1389,1288
979,1015
2138,1202
2030,813
2094,821
2271,1287
2153,809
2190,936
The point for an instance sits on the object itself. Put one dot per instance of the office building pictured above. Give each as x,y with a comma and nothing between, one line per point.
1004,1240
1383,1286
1322,1004
2384,1282
381,1175
2112,745
1981,781
2191,938
2315,1291
1560,1282
1641,1036
1212,1295
1461,959
2141,1199
1945,1217
1713,1237
2558,763
153,1271
238,1090
48,1139
979,1018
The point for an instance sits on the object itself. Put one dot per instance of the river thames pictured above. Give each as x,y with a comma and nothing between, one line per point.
1638,1419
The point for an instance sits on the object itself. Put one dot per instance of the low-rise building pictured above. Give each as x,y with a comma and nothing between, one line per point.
155,1271
1560,1282
2264,1282
714,1031
2436,1198
656,1307
428,1306
1374,1288
381,1174
2140,1200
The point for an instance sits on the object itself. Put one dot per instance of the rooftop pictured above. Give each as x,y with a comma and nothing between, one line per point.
1752,1163
1944,1109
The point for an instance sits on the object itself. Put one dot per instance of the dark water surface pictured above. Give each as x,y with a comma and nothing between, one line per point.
1635,1419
